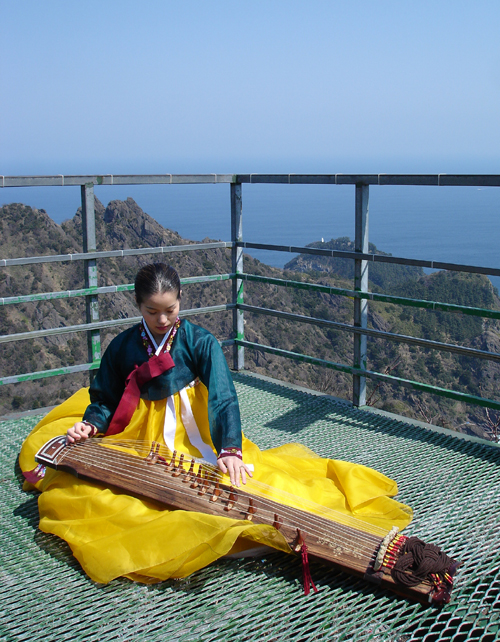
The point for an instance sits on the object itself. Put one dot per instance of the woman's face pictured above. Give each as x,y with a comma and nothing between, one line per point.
160,312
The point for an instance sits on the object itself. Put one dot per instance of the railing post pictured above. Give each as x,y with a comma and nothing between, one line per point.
360,284
237,267
90,269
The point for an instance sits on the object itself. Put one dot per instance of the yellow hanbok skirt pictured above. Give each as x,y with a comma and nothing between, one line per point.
113,534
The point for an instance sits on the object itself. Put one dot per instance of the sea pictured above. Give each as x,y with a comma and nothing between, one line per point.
452,224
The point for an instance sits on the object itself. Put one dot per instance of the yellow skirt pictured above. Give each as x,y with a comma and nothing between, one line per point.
113,534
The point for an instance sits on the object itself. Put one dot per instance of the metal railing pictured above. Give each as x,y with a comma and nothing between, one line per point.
360,293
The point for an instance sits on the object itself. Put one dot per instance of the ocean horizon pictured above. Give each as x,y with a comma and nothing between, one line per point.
452,224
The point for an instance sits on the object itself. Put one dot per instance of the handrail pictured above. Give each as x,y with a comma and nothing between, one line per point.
374,296
99,325
62,180
369,332
108,289
359,293
84,256
372,258
439,180
379,376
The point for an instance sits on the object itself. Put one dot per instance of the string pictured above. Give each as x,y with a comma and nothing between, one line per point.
160,475
255,485
216,476
341,538
215,473
288,513
286,497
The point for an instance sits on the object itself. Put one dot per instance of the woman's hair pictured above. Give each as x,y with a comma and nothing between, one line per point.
156,278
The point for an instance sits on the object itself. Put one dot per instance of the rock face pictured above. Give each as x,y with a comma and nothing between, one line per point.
123,225
30,232
127,223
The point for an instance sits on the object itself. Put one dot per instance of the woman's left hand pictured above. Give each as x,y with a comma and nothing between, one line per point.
235,468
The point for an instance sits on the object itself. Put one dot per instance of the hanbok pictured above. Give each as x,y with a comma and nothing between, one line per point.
193,409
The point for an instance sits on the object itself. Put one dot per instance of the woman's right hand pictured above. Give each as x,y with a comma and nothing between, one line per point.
78,431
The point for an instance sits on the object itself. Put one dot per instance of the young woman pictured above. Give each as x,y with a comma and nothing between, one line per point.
167,380
198,357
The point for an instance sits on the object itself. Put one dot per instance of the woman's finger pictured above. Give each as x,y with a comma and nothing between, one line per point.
233,474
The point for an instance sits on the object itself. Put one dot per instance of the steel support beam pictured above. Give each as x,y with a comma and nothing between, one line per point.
237,268
90,268
360,285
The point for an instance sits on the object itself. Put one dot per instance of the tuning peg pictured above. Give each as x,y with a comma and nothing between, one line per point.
278,522
233,498
217,492
152,457
250,510
299,541
205,485
198,479
178,470
190,472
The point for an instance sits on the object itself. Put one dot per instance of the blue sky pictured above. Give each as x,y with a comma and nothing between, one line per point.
119,86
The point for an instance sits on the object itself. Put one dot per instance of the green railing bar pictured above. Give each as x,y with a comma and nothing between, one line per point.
84,367
42,374
401,338
64,294
373,296
407,383
110,289
36,334
212,308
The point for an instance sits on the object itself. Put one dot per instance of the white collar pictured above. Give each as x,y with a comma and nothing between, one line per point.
158,347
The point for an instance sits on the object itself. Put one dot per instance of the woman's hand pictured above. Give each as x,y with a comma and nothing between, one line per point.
235,468
78,431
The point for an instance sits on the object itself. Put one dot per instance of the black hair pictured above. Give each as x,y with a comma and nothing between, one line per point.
156,278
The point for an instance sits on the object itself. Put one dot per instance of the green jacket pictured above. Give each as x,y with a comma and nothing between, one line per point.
196,353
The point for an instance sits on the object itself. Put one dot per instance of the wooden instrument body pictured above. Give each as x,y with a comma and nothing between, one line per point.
177,485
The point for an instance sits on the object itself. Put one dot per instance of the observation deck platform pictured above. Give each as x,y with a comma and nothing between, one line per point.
452,483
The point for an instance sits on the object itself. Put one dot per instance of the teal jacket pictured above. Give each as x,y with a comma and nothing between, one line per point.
196,353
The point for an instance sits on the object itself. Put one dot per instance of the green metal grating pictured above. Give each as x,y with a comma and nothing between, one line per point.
452,485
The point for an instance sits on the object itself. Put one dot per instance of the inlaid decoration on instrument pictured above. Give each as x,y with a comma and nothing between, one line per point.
336,549
405,565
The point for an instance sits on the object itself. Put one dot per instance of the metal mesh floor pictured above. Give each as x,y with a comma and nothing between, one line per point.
452,485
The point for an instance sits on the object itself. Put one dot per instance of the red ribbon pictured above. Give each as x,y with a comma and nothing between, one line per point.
156,366
306,573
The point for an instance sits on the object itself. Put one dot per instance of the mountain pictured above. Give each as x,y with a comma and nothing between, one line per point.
381,275
122,224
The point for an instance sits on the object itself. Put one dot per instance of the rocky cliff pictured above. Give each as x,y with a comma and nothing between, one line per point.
123,224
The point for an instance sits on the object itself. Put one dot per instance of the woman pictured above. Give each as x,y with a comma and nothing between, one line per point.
167,381
197,354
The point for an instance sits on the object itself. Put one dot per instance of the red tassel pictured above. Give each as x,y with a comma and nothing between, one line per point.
35,475
306,573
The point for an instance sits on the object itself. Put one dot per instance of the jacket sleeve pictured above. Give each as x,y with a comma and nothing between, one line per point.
105,391
223,407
